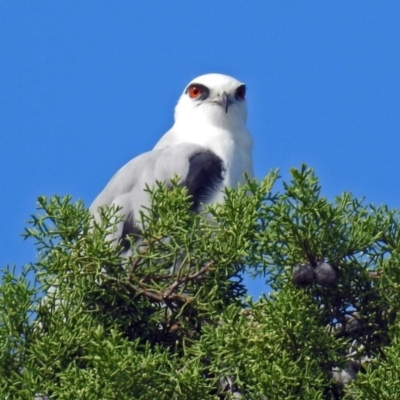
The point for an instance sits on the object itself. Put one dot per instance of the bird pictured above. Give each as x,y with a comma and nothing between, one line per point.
208,147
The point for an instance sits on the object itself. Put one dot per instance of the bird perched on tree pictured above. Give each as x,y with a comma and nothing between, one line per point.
209,147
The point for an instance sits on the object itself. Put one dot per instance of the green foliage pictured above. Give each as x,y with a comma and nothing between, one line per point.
173,319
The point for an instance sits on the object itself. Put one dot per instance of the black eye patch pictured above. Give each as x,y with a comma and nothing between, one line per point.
241,92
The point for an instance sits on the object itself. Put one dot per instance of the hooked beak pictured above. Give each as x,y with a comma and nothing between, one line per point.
224,101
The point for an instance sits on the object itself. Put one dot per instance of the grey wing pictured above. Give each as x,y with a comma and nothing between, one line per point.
199,169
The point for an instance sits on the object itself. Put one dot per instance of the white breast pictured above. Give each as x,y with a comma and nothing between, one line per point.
233,146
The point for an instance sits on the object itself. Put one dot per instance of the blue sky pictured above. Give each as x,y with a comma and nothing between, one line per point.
86,86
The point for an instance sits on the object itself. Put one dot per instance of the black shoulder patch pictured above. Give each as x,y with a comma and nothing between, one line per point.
204,176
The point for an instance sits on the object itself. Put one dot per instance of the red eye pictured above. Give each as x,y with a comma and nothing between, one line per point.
195,91
241,92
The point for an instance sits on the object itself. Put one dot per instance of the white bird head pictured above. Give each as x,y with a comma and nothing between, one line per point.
215,99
